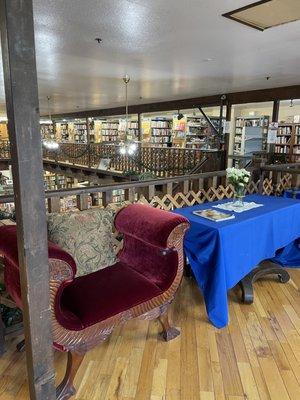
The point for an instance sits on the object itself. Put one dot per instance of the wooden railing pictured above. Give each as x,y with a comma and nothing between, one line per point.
274,179
158,161
160,193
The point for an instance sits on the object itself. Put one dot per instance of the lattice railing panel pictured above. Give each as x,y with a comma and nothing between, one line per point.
169,202
179,200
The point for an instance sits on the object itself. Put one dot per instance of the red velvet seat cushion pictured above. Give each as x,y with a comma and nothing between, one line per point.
95,297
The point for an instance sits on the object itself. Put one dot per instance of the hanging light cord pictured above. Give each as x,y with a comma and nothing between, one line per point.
126,80
49,111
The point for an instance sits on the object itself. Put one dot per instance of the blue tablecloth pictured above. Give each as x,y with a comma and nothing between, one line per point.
222,253
292,194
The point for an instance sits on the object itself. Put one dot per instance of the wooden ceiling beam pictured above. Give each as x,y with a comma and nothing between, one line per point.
252,96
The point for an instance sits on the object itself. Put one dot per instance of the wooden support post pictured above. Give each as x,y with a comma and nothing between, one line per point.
227,134
20,79
275,112
221,117
275,116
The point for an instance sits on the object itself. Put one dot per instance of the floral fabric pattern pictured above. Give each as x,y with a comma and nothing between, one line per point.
87,236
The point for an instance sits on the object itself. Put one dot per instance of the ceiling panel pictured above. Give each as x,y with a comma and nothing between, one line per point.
170,48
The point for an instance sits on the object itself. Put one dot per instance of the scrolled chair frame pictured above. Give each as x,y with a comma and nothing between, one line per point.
78,342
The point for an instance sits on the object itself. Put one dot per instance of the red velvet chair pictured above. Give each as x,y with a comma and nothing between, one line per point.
142,284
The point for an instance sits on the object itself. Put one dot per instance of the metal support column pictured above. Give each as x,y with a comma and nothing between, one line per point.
20,78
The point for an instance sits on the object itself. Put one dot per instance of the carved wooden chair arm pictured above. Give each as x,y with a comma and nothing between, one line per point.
147,224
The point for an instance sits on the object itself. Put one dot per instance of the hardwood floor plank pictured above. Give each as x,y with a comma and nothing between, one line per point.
230,373
273,379
159,382
248,381
207,395
257,357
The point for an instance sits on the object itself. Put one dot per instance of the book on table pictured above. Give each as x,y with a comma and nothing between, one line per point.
214,215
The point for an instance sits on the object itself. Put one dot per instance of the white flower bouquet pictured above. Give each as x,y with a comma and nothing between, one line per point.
238,178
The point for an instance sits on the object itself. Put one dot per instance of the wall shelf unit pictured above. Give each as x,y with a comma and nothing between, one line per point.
250,134
288,141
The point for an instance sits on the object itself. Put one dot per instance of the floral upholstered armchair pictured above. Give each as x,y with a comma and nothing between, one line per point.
141,283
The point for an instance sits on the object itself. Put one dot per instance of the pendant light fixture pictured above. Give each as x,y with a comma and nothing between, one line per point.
180,115
50,143
128,146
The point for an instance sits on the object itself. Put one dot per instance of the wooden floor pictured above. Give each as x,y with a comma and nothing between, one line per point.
257,357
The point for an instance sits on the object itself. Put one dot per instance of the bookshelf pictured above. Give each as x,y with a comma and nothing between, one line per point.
64,131
55,181
3,131
47,130
250,134
157,132
288,141
161,132
133,128
110,131
198,131
80,132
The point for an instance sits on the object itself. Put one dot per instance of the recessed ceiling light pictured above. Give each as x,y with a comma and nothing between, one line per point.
265,14
208,59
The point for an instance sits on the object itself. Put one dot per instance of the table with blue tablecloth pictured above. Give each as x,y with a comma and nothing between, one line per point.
222,253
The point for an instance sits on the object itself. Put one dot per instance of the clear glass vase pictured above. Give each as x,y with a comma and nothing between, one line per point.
239,194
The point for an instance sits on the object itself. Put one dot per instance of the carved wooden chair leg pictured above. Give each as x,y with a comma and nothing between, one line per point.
169,331
66,389
21,346
2,337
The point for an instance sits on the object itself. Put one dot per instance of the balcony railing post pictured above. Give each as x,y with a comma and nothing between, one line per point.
261,181
130,195
107,198
82,202
168,188
53,204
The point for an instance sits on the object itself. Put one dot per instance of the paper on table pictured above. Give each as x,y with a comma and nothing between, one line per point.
238,209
